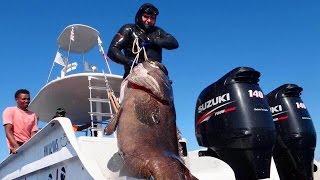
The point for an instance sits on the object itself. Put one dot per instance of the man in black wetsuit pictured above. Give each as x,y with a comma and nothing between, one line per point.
149,36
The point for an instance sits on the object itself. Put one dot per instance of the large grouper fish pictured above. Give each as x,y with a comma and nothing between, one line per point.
146,125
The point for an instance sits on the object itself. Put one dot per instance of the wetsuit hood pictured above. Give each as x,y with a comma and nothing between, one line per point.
148,9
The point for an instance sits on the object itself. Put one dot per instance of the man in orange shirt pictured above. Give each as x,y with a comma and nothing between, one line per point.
19,123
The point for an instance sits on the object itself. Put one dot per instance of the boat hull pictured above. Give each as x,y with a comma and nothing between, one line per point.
56,153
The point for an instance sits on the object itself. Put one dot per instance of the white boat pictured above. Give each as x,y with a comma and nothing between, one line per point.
56,151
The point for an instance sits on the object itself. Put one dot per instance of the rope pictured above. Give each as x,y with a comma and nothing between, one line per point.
115,104
105,57
136,49
110,92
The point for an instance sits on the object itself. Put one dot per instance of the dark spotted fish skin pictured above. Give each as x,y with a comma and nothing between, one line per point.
146,129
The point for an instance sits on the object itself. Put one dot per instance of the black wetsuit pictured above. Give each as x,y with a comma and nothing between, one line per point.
120,49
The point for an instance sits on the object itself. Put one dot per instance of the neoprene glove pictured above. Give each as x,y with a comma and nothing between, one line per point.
147,43
129,62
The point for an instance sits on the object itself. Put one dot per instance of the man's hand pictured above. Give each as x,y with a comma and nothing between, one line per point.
33,133
129,62
9,133
147,43
14,149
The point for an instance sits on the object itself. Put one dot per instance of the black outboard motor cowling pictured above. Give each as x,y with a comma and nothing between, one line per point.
233,119
296,137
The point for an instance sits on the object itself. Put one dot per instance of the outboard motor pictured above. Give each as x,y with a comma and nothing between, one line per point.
296,137
233,120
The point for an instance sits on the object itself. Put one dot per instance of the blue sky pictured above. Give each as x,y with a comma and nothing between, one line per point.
279,38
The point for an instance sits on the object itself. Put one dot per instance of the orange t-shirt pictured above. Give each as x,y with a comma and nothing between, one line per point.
24,122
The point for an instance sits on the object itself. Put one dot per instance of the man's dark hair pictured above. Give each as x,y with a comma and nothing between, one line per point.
21,91
61,112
